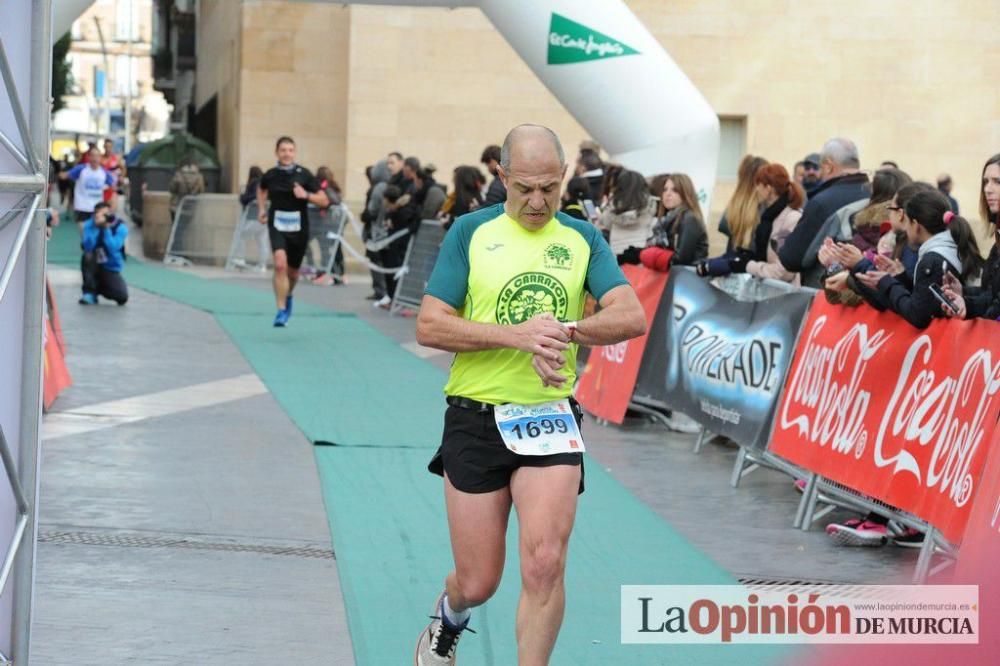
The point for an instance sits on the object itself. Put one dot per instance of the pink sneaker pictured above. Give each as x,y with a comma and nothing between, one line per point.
857,532
323,280
910,538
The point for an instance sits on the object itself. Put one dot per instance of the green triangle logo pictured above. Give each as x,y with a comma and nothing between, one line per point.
571,42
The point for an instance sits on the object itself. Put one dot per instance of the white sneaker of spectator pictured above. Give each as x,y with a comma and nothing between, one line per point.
385,302
680,422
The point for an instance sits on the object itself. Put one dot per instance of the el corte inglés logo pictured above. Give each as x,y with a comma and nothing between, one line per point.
571,42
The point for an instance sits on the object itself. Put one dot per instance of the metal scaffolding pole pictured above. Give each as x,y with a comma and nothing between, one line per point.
31,111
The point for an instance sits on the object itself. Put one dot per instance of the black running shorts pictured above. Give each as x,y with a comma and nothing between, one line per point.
475,457
294,244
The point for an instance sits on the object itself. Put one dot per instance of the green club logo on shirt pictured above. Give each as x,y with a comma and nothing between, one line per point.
572,42
530,294
558,255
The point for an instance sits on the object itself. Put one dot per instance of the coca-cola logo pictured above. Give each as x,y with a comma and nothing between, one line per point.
948,411
829,397
824,401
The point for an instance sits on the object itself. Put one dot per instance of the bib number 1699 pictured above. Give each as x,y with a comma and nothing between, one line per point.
533,429
539,430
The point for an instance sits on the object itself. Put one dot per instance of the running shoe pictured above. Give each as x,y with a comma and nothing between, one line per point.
438,642
288,305
683,423
385,302
323,280
909,538
88,299
281,319
856,532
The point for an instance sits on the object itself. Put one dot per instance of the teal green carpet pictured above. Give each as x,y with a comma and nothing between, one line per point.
380,410
375,393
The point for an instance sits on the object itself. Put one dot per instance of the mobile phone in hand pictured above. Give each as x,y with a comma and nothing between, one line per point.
940,296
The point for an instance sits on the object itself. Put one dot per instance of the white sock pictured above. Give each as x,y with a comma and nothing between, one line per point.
454,618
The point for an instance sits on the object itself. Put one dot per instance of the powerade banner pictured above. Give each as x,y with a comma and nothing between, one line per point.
608,379
894,412
722,361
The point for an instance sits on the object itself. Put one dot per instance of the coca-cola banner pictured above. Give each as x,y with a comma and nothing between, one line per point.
722,361
891,411
608,379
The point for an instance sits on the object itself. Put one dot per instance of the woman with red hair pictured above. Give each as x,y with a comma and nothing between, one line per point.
782,199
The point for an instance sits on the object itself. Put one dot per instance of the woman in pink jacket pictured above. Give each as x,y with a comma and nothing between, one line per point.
782,199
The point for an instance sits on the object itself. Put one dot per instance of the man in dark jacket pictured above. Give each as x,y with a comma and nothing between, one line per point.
411,165
944,185
810,173
401,213
590,166
842,184
395,162
496,193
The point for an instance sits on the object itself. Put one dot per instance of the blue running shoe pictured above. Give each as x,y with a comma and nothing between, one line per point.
281,319
88,299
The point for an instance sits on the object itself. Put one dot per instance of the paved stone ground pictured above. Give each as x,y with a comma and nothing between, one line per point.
161,540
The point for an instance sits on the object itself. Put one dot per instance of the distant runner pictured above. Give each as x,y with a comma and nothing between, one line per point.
290,188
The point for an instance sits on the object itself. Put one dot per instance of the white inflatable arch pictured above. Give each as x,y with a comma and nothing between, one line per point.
613,76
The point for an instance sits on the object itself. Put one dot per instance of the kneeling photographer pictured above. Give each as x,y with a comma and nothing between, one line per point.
103,257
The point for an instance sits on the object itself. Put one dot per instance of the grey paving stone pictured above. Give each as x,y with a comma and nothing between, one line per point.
235,483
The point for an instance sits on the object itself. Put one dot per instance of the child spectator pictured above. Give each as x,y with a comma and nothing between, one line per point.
630,213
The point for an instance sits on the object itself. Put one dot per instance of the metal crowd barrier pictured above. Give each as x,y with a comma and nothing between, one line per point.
749,289
326,231
249,231
421,255
202,230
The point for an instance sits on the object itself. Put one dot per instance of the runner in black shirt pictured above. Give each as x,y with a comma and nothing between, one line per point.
290,188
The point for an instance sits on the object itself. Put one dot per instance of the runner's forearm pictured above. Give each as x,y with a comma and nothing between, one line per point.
617,322
261,201
319,199
455,334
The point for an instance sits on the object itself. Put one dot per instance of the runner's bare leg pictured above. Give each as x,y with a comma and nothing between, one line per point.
280,278
478,526
545,499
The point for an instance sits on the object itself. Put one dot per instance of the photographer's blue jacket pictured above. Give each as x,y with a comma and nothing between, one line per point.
111,239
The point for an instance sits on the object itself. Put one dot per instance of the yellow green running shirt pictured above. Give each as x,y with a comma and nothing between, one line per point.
493,270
